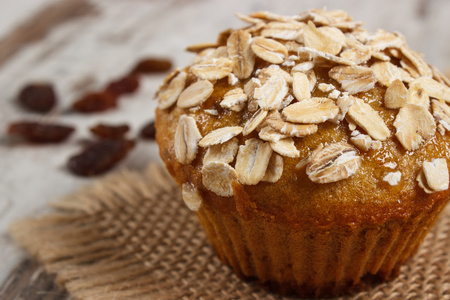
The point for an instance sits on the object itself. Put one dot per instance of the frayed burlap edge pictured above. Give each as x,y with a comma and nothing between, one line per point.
129,236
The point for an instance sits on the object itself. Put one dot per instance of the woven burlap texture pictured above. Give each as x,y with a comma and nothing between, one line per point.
129,236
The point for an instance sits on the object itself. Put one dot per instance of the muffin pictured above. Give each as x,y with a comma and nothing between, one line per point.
313,152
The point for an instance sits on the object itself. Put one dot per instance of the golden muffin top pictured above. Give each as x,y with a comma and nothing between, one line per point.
309,96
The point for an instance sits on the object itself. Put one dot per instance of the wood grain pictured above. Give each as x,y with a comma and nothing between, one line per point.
30,281
40,24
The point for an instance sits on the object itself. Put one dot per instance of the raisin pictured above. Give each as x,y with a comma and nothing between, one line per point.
152,65
96,102
39,132
110,131
99,157
126,85
37,97
148,132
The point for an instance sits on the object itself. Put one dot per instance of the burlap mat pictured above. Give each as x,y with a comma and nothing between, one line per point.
129,236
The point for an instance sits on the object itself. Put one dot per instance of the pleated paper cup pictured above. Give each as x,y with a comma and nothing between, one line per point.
311,261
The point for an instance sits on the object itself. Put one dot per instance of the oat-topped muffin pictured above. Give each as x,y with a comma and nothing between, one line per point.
312,151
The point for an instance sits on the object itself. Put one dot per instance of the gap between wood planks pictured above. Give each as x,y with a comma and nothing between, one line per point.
30,281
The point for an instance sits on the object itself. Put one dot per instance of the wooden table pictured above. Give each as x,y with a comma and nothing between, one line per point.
79,45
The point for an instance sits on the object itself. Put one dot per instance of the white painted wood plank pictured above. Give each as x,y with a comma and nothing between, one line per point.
14,12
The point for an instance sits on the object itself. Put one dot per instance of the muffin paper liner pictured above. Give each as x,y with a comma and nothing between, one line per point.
312,261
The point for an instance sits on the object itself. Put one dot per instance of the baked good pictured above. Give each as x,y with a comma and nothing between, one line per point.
313,152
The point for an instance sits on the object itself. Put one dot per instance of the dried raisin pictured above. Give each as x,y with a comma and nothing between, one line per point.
99,157
96,102
126,85
39,132
152,65
110,131
148,132
37,97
